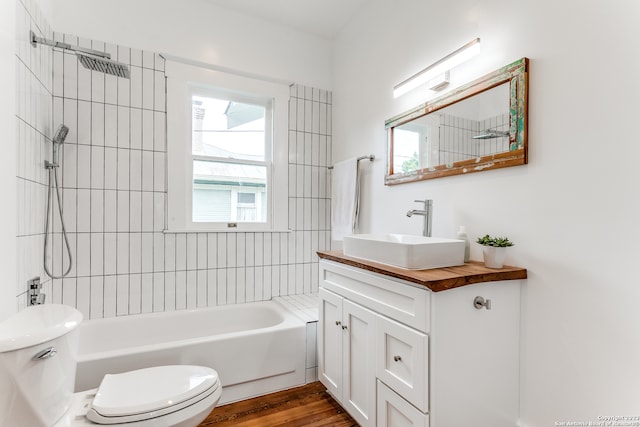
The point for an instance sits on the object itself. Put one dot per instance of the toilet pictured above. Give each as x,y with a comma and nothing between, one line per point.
38,348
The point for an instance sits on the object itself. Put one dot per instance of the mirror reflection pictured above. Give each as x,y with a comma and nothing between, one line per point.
466,130
479,126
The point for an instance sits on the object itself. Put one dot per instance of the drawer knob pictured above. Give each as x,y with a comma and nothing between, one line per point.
344,327
479,302
397,358
338,323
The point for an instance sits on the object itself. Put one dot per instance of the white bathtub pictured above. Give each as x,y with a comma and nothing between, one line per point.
256,347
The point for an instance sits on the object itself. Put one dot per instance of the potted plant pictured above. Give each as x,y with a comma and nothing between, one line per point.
494,250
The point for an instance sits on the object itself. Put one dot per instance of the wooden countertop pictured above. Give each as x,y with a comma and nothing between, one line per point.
436,279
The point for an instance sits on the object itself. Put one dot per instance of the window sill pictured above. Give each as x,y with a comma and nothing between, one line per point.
230,230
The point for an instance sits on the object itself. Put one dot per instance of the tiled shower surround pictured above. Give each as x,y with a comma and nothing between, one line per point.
33,144
114,190
456,142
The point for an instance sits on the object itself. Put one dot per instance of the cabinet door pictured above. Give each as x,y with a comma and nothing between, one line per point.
359,376
403,362
330,342
475,351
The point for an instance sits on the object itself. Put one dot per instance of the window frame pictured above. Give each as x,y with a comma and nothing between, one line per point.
184,81
267,104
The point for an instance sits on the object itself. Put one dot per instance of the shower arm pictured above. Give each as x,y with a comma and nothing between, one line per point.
35,40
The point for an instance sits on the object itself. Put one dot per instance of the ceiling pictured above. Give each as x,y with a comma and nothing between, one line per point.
324,18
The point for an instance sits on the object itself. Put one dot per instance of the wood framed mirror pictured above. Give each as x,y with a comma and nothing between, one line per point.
479,126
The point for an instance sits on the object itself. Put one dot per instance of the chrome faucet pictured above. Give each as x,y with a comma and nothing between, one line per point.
426,213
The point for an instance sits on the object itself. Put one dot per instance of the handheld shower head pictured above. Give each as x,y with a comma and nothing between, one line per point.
61,134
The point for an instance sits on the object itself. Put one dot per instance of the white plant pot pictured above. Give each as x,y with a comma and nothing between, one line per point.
493,256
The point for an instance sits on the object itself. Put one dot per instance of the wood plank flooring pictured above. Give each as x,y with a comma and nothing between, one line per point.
308,406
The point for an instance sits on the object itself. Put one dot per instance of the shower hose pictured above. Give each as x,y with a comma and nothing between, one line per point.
53,178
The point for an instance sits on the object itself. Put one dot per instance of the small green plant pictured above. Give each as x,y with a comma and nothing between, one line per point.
497,242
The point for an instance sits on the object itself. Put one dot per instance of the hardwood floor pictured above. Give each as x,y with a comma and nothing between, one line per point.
309,405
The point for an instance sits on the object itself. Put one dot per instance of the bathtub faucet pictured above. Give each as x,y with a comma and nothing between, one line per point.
426,213
35,296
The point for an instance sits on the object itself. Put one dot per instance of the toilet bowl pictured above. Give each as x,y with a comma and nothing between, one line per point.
38,349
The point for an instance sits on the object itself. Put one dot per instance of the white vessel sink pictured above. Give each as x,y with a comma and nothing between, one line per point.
406,251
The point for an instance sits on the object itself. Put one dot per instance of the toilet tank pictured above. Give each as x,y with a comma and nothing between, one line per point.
38,349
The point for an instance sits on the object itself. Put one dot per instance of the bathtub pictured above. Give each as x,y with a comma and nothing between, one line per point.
256,348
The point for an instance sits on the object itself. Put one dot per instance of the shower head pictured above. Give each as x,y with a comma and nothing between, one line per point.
491,134
61,134
104,65
89,58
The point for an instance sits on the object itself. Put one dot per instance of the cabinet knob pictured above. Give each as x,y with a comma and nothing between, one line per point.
479,302
344,327
397,358
338,323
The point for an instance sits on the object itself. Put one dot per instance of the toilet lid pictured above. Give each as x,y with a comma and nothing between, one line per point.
151,389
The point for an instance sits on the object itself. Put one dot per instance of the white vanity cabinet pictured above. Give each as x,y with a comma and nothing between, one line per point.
396,354
346,349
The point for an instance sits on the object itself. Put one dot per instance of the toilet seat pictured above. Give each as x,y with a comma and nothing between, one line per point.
150,393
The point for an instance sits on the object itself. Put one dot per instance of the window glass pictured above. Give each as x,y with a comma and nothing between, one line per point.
223,128
406,144
229,165
221,192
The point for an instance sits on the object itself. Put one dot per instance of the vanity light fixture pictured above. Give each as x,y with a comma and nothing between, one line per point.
439,82
438,68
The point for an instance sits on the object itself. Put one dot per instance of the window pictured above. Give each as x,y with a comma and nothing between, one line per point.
226,151
416,144
406,144
230,146
247,209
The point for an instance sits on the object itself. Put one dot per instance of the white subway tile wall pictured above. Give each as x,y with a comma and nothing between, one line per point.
456,142
114,190
33,131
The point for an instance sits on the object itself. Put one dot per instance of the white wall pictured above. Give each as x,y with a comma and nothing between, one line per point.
199,30
33,143
572,212
8,171
25,79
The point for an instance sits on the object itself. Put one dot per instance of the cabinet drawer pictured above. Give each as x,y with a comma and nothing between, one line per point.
394,411
402,361
401,301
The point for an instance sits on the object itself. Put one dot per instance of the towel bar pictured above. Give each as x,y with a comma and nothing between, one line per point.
371,157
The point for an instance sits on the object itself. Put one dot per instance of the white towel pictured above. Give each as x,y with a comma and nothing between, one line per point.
345,198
